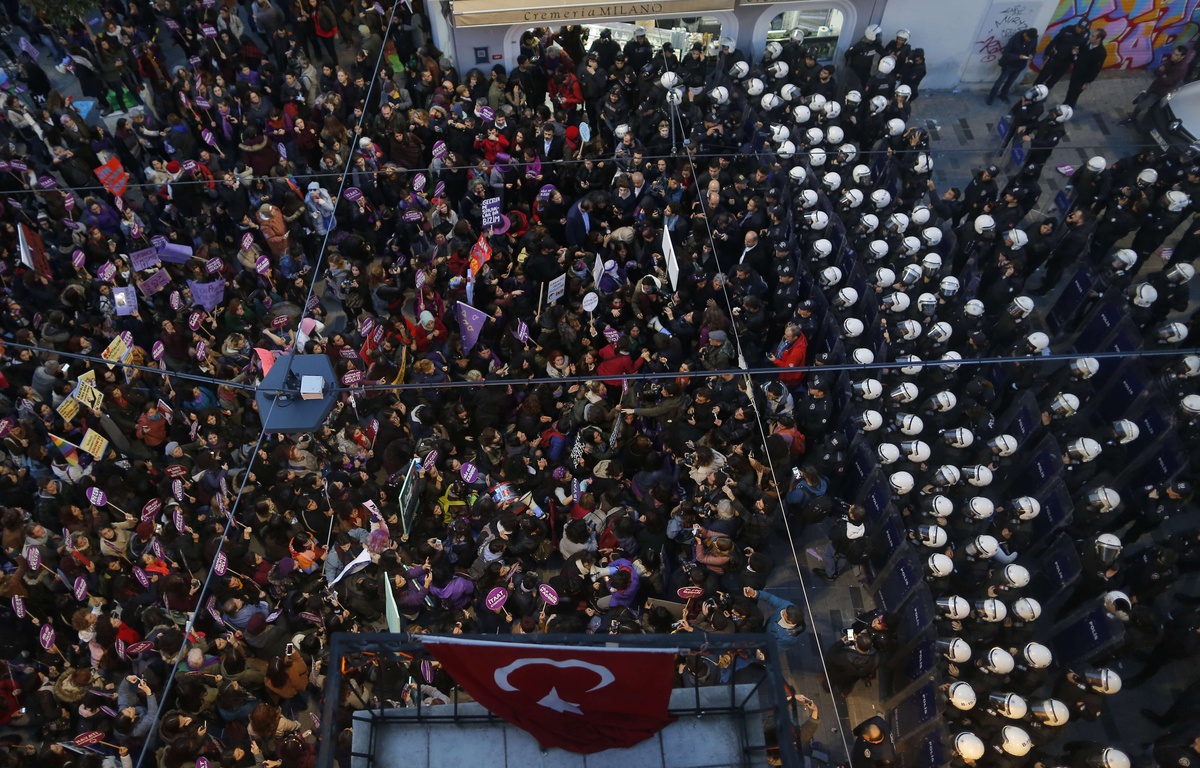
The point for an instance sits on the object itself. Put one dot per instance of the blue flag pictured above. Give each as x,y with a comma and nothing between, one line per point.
470,321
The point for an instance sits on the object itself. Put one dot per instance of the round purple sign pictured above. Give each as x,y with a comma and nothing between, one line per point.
430,459
157,350
150,509
177,489
419,182
97,497
262,265
439,149
33,556
496,598
247,241
487,114
352,377
547,593
194,320
47,182
80,589
213,265
46,637
412,214
141,576
221,564
107,271
469,472
545,192
201,349
177,518
18,604
77,259
439,189
352,194
176,301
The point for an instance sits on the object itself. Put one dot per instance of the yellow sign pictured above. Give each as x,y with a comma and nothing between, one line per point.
480,13
68,408
115,352
88,396
94,444
88,376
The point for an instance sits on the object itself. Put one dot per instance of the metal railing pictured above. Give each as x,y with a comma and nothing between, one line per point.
752,677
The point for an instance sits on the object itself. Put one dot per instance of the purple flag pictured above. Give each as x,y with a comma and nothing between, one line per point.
470,322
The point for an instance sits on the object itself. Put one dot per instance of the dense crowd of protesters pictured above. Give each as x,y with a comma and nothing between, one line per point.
334,175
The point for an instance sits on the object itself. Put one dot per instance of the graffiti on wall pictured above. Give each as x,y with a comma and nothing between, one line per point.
1139,32
1003,19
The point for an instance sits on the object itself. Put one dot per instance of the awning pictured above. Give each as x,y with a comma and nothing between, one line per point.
481,13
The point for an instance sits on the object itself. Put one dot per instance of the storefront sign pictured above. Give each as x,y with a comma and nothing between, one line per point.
479,13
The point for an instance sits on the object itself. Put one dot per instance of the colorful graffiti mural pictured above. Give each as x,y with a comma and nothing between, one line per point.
1140,32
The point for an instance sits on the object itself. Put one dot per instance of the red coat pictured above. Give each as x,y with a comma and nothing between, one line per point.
568,94
422,338
612,363
794,356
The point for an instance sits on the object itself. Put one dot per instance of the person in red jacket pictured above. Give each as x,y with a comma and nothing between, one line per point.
493,145
792,352
615,361
565,91
430,332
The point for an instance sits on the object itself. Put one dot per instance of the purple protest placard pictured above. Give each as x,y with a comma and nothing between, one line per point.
352,193
157,548
46,637
106,271
247,241
208,29
487,114
142,647
439,149
171,24
262,265
411,215
155,283
547,593
689,592
419,182
96,496
19,165
141,576
522,331
612,334
14,204
491,212
351,378
194,320
221,564
80,589
176,301
496,599
150,509
202,103
77,258
213,265
430,459
72,225
348,353
469,472
174,253
208,137
125,300
201,349
177,489
18,606
33,556
177,518
439,189
47,182
208,295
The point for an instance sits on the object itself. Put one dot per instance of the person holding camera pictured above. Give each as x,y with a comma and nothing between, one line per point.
786,621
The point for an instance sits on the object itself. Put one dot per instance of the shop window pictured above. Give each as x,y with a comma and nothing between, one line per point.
822,27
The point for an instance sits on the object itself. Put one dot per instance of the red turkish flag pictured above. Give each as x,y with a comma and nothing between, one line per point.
579,699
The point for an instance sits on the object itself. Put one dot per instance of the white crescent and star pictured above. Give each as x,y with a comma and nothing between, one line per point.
553,700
